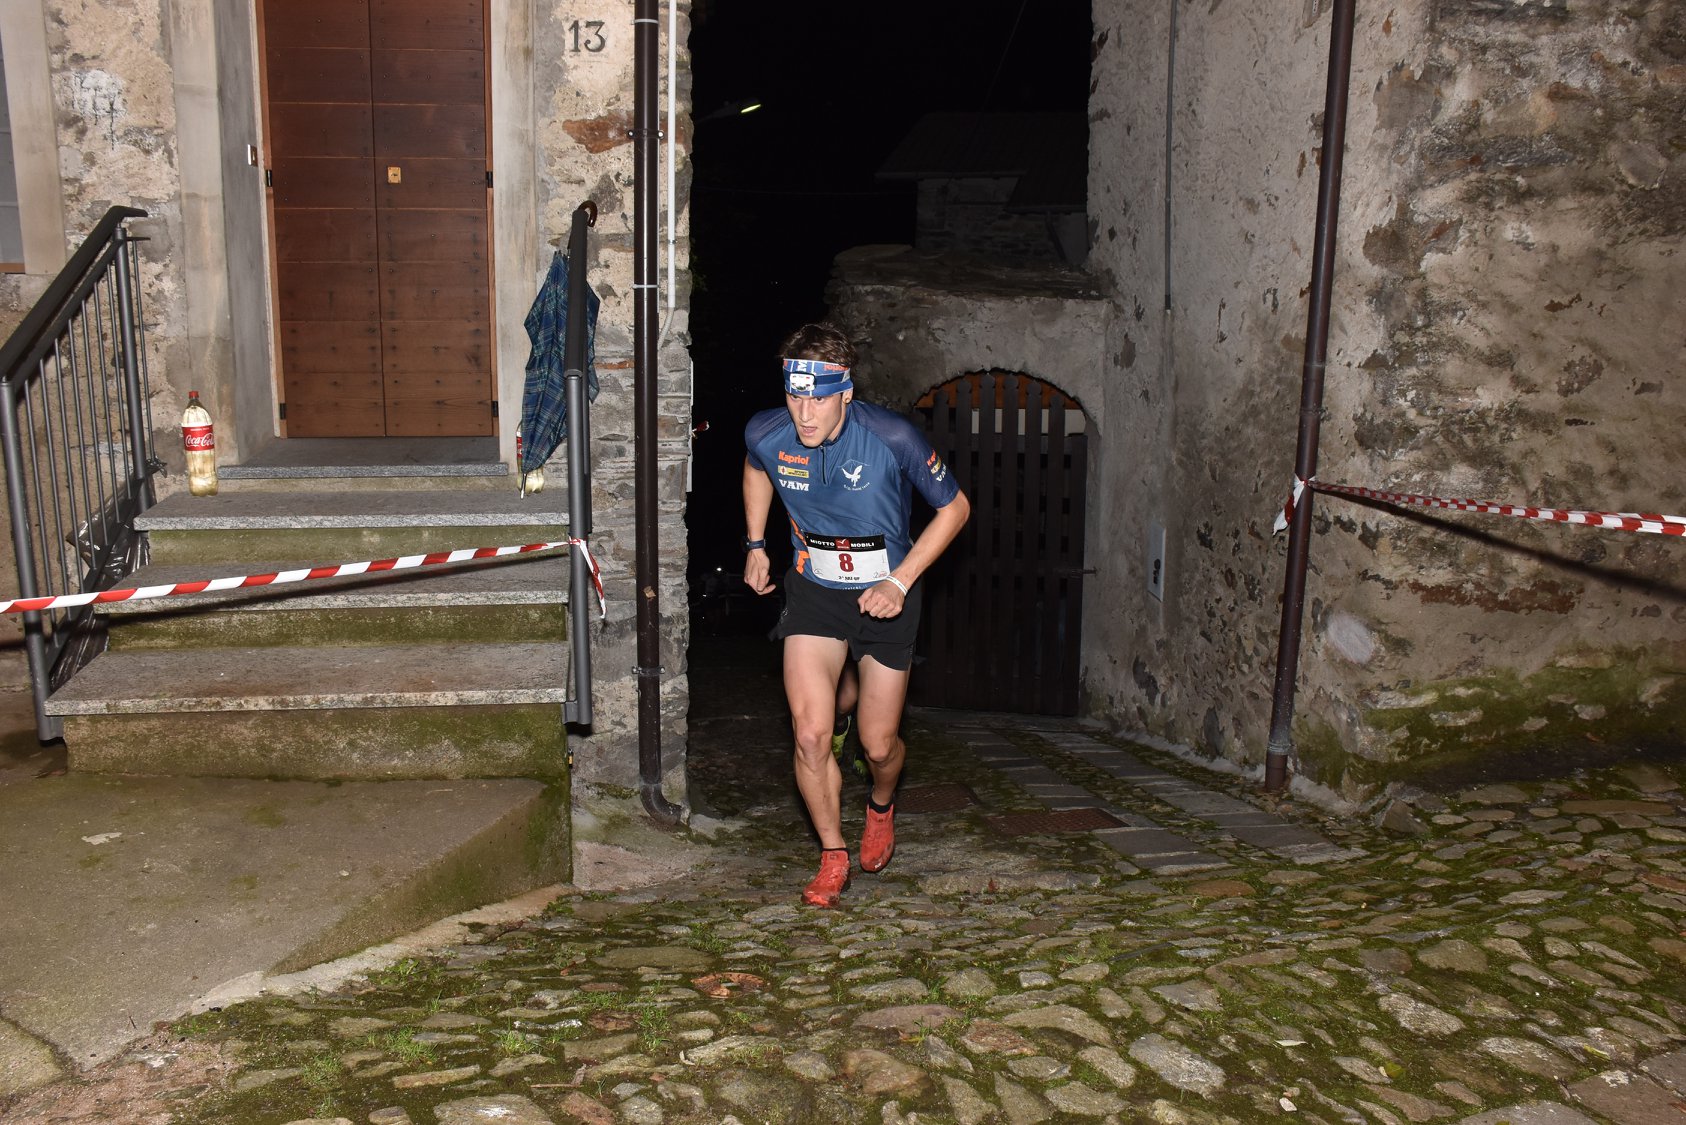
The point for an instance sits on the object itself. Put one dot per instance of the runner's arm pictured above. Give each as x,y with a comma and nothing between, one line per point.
757,504
885,599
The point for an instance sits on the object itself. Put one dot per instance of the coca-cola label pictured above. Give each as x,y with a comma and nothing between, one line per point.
197,438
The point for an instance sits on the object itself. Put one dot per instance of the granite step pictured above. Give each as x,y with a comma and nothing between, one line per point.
353,509
346,525
372,712
316,677
517,597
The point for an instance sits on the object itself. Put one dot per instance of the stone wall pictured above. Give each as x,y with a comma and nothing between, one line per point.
124,74
970,215
1505,326
584,122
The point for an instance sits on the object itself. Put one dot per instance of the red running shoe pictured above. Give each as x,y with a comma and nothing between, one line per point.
878,839
828,886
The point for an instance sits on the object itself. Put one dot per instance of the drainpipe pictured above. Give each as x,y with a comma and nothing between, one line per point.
1311,394
644,355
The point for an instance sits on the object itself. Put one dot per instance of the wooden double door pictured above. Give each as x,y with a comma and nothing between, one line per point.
379,191
1003,613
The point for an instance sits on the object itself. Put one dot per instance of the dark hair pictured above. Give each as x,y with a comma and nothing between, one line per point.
823,341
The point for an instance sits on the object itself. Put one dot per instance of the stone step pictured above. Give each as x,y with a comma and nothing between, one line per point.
338,526
368,713
519,597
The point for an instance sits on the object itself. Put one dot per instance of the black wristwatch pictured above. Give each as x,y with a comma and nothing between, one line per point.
753,545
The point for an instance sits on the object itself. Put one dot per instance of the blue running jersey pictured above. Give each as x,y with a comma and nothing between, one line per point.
850,499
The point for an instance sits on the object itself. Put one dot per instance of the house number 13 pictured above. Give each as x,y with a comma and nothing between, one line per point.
587,36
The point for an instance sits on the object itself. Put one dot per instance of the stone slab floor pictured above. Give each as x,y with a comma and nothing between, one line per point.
1511,951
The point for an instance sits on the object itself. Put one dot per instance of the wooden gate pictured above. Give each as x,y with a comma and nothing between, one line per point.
1004,605
376,113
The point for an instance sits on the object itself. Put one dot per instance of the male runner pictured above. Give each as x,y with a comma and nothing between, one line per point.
846,472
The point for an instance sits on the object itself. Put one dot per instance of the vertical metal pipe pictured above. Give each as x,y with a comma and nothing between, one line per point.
1170,137
644,273
579,708
34,642
131,365
1311,393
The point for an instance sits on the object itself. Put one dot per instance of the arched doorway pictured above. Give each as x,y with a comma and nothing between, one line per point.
1004,606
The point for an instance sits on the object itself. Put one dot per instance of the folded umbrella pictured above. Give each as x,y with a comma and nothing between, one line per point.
544,398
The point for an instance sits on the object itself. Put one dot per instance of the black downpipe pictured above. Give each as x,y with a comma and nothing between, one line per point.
1311,394
578,709
649,671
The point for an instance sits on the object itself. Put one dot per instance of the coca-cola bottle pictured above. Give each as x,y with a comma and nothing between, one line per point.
530,482
200,442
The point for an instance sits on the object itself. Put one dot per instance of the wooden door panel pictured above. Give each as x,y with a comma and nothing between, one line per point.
331,405
322,181
433,236
444,294
321,129
429,77
434,25
430,130
382,288
329,345
326,235
315,74
430,182
316,23
328,291
410,347
423,405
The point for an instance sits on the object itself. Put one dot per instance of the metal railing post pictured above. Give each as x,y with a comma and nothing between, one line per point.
130,361
29,586
578,710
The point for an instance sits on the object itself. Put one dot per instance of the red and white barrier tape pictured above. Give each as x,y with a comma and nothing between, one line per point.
1619,521
407,562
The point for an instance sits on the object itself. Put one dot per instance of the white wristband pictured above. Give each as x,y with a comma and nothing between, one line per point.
897,583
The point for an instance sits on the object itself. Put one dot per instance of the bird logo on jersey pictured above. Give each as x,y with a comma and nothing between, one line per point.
852,472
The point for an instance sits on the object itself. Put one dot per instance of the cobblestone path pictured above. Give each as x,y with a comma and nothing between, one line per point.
1079,929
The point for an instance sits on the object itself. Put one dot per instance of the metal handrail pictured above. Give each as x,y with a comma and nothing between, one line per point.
76,436
578,709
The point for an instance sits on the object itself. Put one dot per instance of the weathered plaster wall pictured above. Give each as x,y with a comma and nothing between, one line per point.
585,108
1508,260
921,321
113,86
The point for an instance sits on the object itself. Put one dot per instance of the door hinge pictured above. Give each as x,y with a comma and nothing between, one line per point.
269,177
283,409
494,408
488,177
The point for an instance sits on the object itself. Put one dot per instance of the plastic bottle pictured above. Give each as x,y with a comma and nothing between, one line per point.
530,482
200,441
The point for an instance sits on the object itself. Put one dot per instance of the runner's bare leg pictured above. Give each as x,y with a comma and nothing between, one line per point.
848,688
878,718
811,668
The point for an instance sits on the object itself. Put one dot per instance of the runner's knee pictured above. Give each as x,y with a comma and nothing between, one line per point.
879,748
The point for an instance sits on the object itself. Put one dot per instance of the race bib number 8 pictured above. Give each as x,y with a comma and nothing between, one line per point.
857,562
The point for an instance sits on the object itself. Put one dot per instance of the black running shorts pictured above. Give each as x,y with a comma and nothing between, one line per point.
812,610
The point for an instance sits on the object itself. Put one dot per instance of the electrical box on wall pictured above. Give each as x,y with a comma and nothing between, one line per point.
1156,561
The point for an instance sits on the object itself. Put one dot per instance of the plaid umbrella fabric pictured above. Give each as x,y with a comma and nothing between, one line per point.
544,399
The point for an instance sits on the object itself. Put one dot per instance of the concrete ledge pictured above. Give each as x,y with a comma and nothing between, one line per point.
134,896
